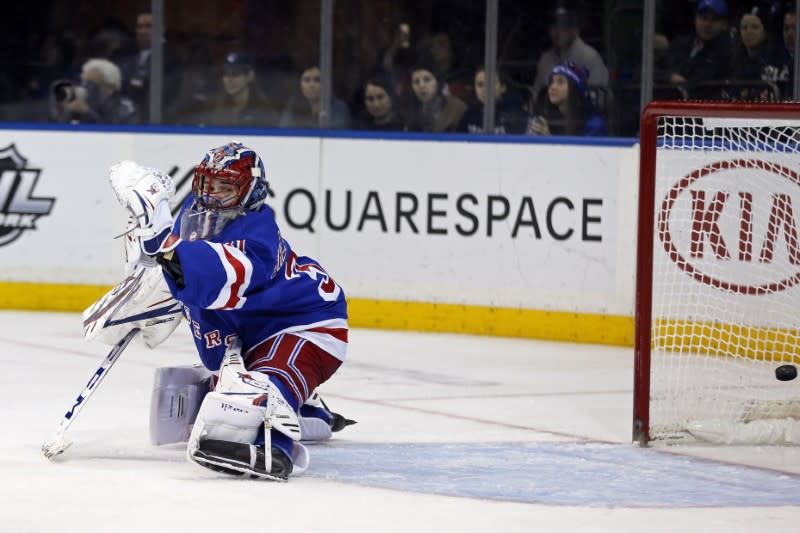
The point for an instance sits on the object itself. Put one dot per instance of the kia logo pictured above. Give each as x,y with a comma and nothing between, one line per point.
728,227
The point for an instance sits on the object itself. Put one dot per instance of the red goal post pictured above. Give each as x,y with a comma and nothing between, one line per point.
717,271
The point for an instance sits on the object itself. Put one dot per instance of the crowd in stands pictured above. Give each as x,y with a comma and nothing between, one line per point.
425,86
748,55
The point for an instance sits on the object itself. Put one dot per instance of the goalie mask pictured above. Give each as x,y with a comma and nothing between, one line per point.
229,180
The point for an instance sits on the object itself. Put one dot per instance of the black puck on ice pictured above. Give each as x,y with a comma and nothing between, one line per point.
786,372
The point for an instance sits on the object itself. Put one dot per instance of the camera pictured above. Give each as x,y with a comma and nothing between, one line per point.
64,91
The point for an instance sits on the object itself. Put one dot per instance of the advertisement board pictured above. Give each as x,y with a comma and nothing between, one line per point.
498,226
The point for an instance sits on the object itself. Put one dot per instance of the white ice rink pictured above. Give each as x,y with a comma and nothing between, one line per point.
455,433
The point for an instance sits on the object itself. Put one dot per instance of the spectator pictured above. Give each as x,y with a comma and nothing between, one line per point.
302,110
96,100
55,61
704,56
773,11
397,59
784,55
197,87
136,69
111,42
380,112
509,115
569,47
753,61
241,102
438,50
565,110
431,110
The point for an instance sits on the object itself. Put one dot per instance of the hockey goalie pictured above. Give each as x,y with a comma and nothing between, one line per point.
269,326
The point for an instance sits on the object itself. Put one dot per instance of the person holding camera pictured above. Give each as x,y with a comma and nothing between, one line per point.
96,100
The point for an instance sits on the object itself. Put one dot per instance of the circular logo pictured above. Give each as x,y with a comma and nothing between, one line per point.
707,230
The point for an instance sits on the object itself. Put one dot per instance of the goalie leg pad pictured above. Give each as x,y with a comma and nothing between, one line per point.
224,435
315,419
177,395
245,407
228,417
313,428
234,379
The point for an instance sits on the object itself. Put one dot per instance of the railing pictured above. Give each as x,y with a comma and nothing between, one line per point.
623,112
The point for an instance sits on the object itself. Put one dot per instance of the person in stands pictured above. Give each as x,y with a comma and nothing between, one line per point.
509,114
753,58
241,101
303,108
566,110
431,110
569,47
96,99
704,56
380,111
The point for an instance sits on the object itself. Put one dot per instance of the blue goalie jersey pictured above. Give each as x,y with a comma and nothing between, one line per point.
247,281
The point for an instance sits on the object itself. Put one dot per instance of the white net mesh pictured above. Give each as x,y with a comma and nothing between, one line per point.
726,279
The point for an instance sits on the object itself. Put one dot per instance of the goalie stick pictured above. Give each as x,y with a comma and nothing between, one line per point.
141,303
59,443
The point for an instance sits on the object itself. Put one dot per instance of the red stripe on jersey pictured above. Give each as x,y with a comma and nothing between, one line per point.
238,270
311,366
336,333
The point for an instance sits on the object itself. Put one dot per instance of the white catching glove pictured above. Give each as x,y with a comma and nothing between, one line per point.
146,193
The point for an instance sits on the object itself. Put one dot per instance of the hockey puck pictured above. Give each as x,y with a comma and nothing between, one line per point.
786,372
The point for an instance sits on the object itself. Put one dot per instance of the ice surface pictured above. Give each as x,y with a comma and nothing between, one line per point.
455,433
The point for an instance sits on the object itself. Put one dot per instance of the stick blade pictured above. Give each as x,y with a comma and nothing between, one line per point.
56,446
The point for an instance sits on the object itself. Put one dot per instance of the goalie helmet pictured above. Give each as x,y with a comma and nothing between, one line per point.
230,176
229,180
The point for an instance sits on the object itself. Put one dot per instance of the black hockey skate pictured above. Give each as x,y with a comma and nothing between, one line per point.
338,422
242,460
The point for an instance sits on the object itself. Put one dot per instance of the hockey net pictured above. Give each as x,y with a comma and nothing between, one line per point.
718,274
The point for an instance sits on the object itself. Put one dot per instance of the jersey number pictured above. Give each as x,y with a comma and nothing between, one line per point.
327,288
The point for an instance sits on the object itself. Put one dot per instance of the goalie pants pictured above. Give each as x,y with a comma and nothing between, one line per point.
299,365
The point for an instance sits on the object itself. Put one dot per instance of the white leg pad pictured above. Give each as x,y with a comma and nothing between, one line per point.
227,417
314,429
242,403
234,379
300,458
177,395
